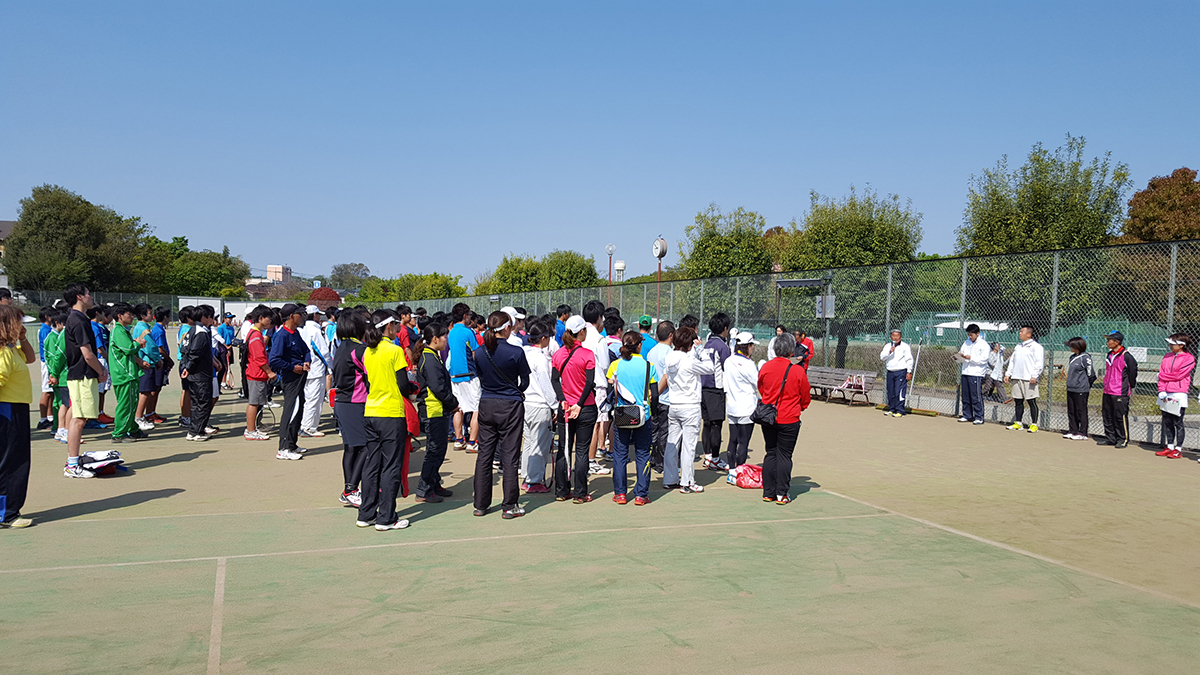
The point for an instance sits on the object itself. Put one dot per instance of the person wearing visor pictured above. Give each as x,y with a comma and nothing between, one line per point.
1174,380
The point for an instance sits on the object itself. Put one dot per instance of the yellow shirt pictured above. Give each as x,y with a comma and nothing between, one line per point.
15,386
382,363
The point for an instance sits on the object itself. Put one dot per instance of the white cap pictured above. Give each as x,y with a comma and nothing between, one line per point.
312,309
512,312
746,338
1175,342
576,323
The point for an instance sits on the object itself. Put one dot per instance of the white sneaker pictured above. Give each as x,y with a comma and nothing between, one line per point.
398,525
311,434
273,404
300,451
1069,436
598,469
365,523
77,472
963,419
254,435
209,431
200,437
977,422
61,435
145,426
351,498
287,454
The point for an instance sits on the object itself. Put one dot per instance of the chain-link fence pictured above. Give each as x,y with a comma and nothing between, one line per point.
1147,291
30,301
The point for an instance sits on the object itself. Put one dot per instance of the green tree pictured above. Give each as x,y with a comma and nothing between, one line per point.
724,244
375,289
206,273
482,283
437,285
516,274
1055,200
856,230
1167,210
566,269
348,275
55,239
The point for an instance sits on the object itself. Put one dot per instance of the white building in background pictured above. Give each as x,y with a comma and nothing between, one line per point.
280,274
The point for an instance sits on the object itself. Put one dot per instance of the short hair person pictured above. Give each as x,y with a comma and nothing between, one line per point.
1120,377
974,356
897,359
1023,372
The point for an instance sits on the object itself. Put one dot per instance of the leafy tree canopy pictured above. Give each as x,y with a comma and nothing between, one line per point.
1055,200
516,274
566,269
724,244
1167,210
348,275
864,229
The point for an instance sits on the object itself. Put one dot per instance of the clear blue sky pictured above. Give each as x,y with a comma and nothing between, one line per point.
440,135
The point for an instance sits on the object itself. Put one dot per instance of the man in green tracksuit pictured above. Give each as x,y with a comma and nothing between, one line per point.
126,368
56,365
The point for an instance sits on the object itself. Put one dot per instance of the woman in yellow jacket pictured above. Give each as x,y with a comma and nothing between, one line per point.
15,393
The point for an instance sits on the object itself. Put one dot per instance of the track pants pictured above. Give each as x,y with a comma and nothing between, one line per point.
293,407
580,431
896,384
739,443
500,425
127,397
1173,431
201,392
14,458
314,398
680,459
972,397
777,465
1077,413
661,427
1115,410
538,438
435,455
381,467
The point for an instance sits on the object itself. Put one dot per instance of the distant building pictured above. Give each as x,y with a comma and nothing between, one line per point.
280,274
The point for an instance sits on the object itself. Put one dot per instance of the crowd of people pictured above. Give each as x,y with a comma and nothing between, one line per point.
569,392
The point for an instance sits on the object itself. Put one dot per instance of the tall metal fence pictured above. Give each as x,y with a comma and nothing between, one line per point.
1147,291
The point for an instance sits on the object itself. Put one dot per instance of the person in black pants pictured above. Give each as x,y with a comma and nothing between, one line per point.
573,376
503,376
197,370
783,384
1120,377
14,416
440,405
290,358
351,384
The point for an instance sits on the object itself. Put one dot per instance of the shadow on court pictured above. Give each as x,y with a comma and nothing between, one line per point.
100,505
169,459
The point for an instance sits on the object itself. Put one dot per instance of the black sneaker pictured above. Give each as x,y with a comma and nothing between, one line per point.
1104,441
44,424
515,512
442,492
1122,444
431,498
480,512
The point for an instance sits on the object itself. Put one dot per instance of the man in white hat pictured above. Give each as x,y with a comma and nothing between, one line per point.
741,398
319,372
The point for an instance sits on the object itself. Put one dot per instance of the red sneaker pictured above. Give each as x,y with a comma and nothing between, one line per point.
1175,454
1164,452
104,419
640,501
582,500
620,499
536,488
157,419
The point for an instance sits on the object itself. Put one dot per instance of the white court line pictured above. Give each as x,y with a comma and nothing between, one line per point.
1014,549
430,542
218,620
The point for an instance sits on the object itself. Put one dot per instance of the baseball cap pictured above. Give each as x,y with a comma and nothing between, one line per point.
512,311
228,315
576,323
312,309
645,321
290,309
746,338
1116,335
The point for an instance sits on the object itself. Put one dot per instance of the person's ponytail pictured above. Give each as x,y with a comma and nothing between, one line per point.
373,334
496,323
631,344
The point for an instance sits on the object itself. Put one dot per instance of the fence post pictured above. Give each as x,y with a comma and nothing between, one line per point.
644,296
1171,289
701,314
1053,325
671,311
962,326
621,300
581,301
737,302
887,321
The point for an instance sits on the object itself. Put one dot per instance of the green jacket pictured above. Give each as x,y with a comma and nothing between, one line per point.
122,356
56,356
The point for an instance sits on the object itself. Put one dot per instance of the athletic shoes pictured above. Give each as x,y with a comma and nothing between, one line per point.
598,469
1164,452
311,434
620,499
196,437
430,498
1175,454
442,492
582,500
254,435
977,422
670,486
715,465
288,454
76,472
145,425
61,435
93,424
691,489
1033,428
496,465
104,419
471,448
17,523
300,450
963,419
783,499
536,489
185,421
1122,444
155,418
364,523
640,501
398,525
768,499
351,498
1015,426
124,439
273,404
459,444
209,431
43,425
515,512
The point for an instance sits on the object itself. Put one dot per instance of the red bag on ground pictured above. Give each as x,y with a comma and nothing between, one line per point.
749,476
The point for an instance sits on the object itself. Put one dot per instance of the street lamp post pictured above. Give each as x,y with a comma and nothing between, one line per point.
610,249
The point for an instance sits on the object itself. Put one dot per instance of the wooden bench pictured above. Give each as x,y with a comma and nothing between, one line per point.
849,383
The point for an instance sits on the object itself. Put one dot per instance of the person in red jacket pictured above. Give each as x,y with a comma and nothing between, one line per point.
783,383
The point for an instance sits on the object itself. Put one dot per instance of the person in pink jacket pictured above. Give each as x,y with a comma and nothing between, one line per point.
1174,380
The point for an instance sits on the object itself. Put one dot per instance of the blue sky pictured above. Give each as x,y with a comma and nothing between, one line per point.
417,137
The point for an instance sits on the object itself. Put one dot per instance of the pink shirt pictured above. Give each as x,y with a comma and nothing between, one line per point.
576,373
1175,374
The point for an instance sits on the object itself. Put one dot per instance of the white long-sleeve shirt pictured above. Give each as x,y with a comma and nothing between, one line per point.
996,365
901,358
978,352
683,374
314,334
540,393
1027,361
741,386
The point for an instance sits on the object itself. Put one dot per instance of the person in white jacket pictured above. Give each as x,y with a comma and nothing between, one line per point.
1024,369
974,357
897,358
318,374
540,401
685,365
741,398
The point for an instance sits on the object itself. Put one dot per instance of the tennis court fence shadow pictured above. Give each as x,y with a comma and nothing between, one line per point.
101,505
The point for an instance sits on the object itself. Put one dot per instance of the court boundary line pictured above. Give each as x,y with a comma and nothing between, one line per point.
218,621
1020,551
433,542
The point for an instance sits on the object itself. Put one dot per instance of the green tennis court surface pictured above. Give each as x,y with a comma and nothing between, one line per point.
907,549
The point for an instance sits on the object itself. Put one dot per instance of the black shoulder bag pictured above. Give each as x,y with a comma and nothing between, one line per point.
631,416
766,413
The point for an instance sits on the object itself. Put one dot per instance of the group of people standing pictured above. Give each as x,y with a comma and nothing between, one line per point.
985,371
